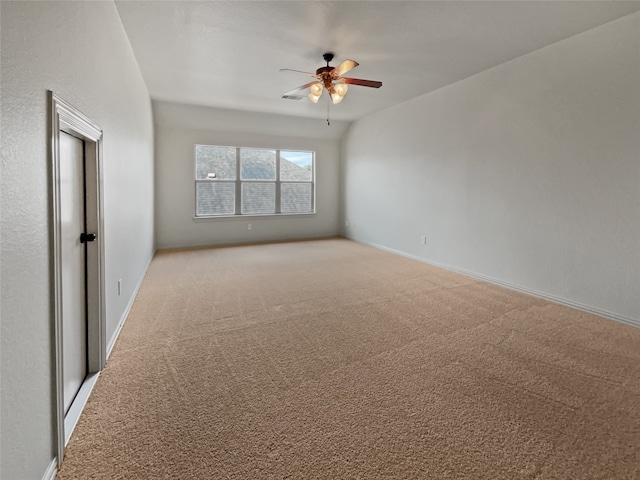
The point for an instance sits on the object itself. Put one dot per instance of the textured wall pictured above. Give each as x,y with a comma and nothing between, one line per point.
80,51
180,127
528,173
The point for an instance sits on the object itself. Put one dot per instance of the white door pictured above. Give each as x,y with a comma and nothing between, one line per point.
74,318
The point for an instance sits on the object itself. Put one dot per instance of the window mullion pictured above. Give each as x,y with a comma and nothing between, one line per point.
278,181
238,184
313,182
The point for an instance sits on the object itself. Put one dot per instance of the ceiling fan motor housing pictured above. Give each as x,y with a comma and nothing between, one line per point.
325,75
325,72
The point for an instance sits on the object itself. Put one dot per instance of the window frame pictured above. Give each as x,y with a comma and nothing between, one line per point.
239,181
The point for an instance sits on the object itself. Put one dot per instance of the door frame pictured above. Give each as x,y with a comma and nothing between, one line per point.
64,117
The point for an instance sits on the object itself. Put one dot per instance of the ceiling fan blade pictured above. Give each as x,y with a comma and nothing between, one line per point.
363,83
344,67
298,71
297,89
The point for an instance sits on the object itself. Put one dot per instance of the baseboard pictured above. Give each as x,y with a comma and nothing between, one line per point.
242,244
125,314
77,406
51,471
511,286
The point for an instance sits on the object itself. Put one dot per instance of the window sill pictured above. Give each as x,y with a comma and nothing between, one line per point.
244,217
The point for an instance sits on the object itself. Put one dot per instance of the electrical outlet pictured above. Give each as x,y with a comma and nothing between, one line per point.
423,239
249,227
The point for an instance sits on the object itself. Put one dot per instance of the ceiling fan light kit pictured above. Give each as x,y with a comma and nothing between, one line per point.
330,79
315,91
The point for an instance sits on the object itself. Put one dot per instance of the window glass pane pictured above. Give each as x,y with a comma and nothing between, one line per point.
258,198
215,198
295,197
215,162
296,166
257,164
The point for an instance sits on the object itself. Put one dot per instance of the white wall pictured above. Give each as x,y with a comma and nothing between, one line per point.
80,51
528,173
180,127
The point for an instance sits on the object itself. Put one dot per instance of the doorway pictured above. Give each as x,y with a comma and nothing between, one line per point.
78,260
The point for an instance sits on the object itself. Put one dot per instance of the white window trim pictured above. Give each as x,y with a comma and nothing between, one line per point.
238,186
213,218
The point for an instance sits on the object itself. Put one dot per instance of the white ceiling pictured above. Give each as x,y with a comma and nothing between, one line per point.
227,53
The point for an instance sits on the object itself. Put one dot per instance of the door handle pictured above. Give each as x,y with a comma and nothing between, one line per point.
87,237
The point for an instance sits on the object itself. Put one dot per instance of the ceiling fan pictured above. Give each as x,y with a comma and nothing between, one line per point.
331,79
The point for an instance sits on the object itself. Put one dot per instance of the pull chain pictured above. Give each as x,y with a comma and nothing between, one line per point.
328,105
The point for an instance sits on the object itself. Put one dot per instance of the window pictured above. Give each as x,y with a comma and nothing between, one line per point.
253,181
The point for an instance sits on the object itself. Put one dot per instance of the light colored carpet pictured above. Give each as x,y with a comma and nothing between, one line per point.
332,360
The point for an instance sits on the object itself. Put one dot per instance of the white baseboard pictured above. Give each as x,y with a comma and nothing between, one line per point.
244,243
77,406
52,470
125,314
485,278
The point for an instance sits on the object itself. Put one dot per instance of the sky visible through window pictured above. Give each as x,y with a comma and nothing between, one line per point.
302,159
